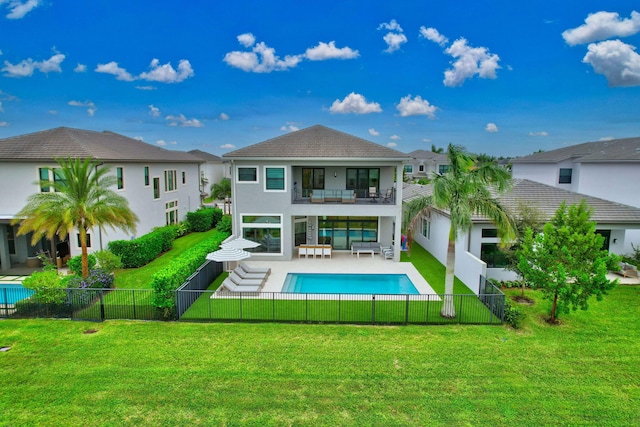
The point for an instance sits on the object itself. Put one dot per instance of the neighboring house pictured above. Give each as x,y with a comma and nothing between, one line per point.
424,164
211,171
160,185
606,169
313,187
477,251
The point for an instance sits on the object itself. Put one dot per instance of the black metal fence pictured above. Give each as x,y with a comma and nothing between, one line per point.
198,281
492,297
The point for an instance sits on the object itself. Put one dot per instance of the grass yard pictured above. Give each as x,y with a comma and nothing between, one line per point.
582,372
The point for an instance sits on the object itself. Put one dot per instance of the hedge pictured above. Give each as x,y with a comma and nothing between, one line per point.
167,280
141,251
203,219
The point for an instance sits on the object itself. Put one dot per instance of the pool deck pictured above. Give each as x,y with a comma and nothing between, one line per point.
340,262
11,279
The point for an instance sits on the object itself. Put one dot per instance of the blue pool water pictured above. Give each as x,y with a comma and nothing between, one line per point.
306,283
10,293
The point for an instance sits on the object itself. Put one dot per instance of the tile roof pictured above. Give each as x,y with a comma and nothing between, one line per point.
429,155
106,146
547,199
317,142
206,156
615,150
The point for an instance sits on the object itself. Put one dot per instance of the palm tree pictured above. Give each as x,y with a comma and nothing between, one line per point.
221,190
464,190
82,199
438,150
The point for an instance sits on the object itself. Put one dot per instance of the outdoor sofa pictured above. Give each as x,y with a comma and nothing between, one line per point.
365,248
627,270
342,196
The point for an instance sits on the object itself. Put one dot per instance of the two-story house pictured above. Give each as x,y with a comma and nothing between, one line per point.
212,170
316,186
424,164
160,185
606,169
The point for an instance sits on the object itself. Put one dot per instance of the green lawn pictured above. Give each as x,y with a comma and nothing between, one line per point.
582,372
140,278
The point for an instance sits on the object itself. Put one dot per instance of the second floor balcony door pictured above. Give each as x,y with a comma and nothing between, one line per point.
312,179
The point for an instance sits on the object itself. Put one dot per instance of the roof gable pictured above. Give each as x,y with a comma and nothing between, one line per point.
317,142
429,155
206,156
615,150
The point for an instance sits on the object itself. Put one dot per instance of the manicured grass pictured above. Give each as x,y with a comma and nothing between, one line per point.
432,270
140,278
582,372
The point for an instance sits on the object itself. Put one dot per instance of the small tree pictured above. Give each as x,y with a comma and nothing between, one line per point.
566,261
221,191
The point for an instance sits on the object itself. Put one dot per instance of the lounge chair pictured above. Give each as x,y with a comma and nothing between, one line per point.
373,194
245,282
387,252
232,287
248,269
248,276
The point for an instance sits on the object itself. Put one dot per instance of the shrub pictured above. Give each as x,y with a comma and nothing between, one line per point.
97,279
224,225
167,280
141,251
75,263
108,261
513,315
203,219
48,287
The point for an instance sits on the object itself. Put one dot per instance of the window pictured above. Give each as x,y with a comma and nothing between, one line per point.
184,177
565,176
341,231
442,169
44,176
171,212
420,168
247,174
120,176
170,180
312,179
274,178
88,240
11,240
492,255
156,188
362,179
264,229
146,176
426,228
489,232
408,168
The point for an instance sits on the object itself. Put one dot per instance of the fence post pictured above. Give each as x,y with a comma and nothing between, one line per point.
373,309
406,315
240,305
6,302
133,299
491,313
306,308
102,305
273,306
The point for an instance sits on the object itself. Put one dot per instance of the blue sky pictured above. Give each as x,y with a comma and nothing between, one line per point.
499,77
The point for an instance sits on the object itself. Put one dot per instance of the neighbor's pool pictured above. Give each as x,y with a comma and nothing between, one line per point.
320,283
11,293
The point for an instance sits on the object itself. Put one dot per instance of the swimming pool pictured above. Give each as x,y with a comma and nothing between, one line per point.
321,283
11,293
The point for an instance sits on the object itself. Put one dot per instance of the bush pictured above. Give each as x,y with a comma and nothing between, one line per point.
47,285
97,279
203,219
75,263
108,261
512,314
224,225
141,251
167,280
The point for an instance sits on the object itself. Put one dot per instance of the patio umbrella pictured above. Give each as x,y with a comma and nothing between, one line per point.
240,243
228,254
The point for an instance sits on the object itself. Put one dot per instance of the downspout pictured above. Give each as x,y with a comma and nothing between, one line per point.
234,223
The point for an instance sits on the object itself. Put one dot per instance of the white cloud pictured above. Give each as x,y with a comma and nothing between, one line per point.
326,51
91,107
416,107
26,67
227,146
469,61
607,138
182,121
394,137
80,68
392,144
18,9
601,26
433,35
247,39
166,73
373,132
491,127
223,117
146,88
354,103
289,127
616,60
154,111
541,133
395,37
261,59
52,112
4,124
114,69
163,143
426,140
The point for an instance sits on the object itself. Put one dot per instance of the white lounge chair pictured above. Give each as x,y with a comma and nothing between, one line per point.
249,276
248,269
232,287
245,282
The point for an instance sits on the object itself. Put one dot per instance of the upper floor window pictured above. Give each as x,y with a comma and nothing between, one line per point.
408,168
274,178
443,169
48,175
156,188
565,176
184,177
247,174
146,176
170,180
120,176
426,228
